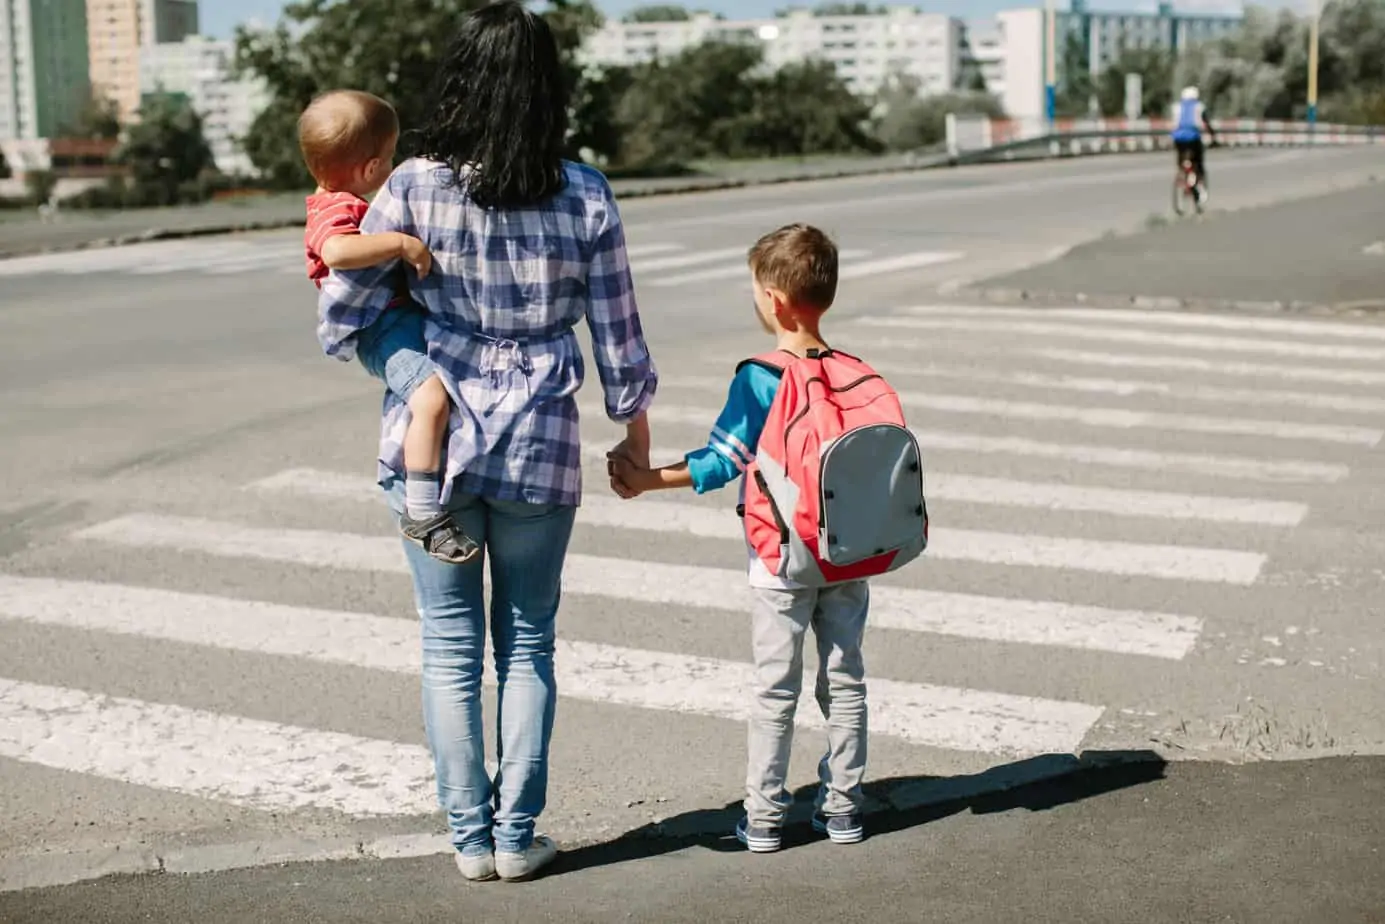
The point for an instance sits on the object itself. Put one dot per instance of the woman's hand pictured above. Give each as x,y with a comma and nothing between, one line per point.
625,463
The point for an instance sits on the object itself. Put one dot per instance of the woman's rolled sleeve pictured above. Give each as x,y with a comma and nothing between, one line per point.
627,372
352,300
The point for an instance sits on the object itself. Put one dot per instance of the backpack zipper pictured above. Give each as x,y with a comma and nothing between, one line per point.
804,413
773,508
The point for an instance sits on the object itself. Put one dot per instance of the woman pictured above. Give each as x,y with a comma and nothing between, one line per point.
525,245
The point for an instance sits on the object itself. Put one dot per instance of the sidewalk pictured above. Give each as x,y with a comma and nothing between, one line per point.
1144,842
1309,253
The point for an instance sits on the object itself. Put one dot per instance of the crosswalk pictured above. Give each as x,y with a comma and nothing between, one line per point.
657,264
1016,428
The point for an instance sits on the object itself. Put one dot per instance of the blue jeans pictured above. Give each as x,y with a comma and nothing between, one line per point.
526,545
394,350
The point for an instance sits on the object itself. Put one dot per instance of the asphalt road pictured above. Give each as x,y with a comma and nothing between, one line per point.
1328,253
1152,533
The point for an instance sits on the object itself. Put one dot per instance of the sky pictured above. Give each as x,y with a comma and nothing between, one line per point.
219,17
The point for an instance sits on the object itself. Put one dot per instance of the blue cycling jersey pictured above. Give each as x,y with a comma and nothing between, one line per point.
1189,127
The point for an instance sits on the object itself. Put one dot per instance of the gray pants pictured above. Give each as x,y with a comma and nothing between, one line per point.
780,621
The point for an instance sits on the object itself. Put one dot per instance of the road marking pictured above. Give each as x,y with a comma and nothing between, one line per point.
1246,322
1242,468
945,717
963,615
692,259
1214,366
896,264
645,250
967,489
246,762
1129,559
1115,502
1123,419
1124,335
1128,388
736,271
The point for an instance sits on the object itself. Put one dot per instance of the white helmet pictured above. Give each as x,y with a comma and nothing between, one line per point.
1190,93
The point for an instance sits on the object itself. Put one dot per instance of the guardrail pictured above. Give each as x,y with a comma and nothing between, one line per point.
979,139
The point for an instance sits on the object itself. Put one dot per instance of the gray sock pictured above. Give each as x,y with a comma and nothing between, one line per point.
421,492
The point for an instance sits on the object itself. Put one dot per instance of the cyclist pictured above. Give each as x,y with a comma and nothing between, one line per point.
1190,118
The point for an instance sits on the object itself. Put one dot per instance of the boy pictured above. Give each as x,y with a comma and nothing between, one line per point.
348,140
794,271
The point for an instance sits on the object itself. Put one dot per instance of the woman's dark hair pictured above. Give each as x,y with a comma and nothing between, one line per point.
499,118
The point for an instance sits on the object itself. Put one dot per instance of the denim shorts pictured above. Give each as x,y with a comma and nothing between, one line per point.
394,350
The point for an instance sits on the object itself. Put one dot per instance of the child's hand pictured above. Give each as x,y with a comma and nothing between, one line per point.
416,254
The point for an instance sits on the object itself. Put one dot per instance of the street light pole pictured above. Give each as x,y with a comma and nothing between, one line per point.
1313,62
1051,75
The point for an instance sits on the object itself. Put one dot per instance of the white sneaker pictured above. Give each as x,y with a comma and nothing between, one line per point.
477,869
516,867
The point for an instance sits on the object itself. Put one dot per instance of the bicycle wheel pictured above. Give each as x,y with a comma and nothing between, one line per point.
1180,189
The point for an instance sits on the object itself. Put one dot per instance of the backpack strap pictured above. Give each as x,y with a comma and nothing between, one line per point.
775,362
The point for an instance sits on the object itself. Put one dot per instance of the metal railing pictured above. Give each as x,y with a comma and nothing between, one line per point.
976,139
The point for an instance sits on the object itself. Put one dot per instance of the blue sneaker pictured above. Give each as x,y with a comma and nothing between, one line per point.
842,829
757,839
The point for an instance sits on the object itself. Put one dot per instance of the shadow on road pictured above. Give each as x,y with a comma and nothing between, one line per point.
894,804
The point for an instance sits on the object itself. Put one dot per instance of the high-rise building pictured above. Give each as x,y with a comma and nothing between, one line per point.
1098,37
118,29
43,66
867,49
198,70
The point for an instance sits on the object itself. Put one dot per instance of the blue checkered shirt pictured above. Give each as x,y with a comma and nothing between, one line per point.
504,297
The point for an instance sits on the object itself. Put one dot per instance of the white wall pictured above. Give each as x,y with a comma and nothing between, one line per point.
1023,56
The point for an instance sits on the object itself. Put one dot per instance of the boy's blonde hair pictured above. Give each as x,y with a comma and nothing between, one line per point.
343,129
800,261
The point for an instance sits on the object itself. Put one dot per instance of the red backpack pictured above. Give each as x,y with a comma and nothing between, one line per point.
835,492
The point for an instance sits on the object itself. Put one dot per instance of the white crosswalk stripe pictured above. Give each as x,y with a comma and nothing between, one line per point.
1218,540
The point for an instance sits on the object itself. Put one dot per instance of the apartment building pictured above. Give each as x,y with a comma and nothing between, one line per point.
43,66
198,69
1100,34
116,32
867,49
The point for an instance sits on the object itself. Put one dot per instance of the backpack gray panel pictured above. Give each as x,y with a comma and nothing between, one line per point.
872,495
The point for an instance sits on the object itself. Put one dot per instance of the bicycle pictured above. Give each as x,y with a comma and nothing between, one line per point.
1187,184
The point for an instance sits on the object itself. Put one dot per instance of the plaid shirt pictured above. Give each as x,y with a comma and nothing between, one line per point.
504,297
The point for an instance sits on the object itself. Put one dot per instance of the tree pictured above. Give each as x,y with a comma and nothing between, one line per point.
658,13
907,121
1155,67
392,48
165,150
597,133
804,108
40,185
1075,85
688,107
99,118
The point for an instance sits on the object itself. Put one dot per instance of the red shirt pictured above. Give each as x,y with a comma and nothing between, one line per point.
330,214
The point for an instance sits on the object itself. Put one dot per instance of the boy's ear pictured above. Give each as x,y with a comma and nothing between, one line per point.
778,300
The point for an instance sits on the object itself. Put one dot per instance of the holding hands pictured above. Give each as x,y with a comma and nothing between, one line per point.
624,464
628,457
